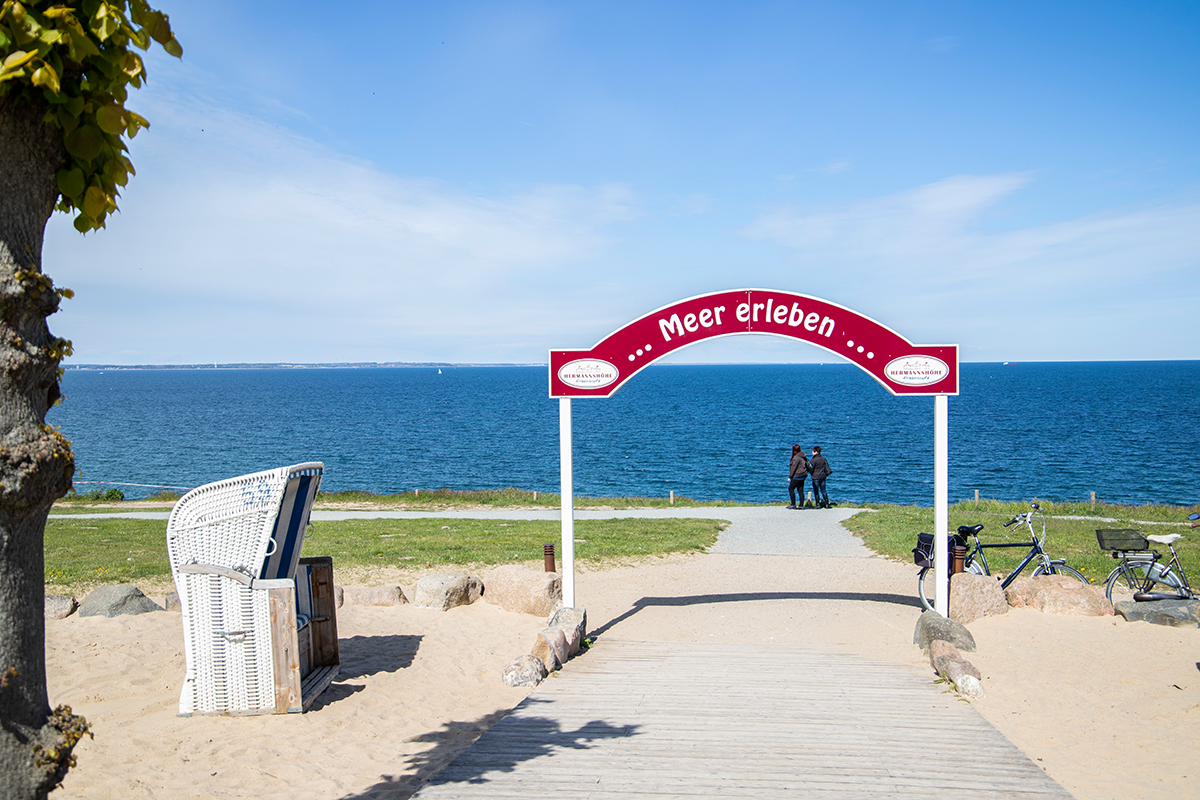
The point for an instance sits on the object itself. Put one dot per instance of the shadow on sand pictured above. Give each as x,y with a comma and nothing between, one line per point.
744,597
367,655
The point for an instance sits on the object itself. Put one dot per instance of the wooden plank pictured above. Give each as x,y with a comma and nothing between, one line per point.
683,720
316,682
324,622
285,651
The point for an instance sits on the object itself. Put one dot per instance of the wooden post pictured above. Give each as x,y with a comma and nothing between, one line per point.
977,498
1093,501
285,650
672,497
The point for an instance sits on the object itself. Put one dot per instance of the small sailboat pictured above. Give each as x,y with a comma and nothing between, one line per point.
439,372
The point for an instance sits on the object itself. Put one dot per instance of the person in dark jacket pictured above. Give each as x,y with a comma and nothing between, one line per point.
796,474
819,469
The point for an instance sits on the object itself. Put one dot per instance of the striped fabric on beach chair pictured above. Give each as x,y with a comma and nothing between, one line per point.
234,548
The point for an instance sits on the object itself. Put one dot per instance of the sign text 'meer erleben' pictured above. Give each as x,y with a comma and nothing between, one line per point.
746,313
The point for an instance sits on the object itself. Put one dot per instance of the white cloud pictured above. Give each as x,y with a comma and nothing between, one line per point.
236,235
928,257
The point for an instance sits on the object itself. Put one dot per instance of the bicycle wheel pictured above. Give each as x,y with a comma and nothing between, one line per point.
1061,569
926,600
1134,577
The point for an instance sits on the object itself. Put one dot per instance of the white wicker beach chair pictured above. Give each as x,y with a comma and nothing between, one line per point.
260,627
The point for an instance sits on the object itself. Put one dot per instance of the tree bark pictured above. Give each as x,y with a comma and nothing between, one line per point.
36,464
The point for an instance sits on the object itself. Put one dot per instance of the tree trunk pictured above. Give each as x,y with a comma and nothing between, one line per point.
36,464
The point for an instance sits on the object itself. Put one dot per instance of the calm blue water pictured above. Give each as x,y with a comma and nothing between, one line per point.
1129,431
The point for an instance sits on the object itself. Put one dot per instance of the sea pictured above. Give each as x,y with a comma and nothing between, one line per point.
1128,431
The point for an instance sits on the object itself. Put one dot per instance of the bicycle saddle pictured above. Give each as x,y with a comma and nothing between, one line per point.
1165,538
970,530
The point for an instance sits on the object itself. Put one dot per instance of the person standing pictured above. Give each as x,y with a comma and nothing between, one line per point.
797,471
819,469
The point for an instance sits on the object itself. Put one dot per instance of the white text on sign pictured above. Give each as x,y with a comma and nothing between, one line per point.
793,317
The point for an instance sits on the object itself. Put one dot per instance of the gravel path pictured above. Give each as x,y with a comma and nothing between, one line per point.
755,530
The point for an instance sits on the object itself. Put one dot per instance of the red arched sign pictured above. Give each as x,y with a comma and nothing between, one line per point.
898,364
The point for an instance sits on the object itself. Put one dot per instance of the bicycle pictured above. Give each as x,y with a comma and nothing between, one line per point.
976,560
1141,575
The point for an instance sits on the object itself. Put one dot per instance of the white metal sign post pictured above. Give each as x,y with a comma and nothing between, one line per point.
901,367
941,500
567,483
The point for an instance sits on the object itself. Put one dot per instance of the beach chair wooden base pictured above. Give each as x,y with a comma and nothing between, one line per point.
305,661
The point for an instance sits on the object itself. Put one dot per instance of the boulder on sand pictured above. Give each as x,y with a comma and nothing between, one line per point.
514,587
444,592
112,601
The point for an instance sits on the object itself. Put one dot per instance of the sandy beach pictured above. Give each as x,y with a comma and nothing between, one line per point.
1089,699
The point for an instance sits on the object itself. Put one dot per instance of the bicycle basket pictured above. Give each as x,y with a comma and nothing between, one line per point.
1121,539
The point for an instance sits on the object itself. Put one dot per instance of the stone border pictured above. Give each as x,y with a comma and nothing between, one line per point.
942,638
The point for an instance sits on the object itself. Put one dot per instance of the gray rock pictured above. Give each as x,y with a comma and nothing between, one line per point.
932,626
375,595
974,596
950,664
112,601
339,596
968,686
543,650
525,671
514,587
1058,594
1174,613
558,641
60,606
573,622
444,592
172,602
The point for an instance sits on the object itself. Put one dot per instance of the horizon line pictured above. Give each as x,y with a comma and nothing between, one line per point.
460,364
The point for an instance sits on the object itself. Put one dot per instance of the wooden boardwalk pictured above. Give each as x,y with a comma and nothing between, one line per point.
682,720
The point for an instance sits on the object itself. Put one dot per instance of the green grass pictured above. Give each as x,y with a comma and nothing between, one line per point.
92,551
892,531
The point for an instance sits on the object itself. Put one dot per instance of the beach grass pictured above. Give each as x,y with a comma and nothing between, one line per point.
89,552
891,531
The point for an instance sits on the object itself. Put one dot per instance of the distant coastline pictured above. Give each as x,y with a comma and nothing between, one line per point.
329,365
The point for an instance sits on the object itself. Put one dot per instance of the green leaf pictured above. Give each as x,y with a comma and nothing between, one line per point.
95,202
105,27
70,182
18,59
174,48
111,119
130,64
66,120
158,27
84,142
45,77
82,223
5,39
50,36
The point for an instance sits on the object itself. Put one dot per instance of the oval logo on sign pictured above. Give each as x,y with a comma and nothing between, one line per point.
916,370
588,373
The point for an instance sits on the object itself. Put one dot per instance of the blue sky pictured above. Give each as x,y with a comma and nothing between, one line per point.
481,182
